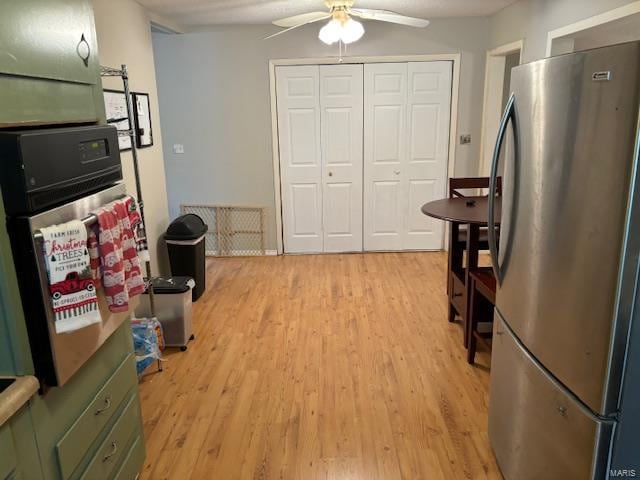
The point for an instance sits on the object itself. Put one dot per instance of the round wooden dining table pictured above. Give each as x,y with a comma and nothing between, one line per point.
474,213
464,210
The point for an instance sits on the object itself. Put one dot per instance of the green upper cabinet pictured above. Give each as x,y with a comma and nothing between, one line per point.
49,67
48,39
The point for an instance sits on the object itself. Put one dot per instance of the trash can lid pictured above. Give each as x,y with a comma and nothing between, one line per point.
186,227
163,285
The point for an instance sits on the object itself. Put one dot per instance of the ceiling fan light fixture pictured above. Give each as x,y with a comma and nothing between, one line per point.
348,31
352,31
331,32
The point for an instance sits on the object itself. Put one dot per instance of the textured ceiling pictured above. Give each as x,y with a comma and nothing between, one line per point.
215,12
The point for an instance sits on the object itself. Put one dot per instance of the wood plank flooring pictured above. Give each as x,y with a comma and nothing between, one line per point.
336,367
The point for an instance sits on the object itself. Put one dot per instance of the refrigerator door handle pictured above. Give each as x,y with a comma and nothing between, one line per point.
508,115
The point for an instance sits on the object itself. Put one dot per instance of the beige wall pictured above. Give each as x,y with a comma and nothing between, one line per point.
124,36
531,20
214,99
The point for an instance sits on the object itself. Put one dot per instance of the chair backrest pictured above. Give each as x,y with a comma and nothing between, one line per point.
471,183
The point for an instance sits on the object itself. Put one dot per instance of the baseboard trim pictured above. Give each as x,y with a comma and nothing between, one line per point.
242,253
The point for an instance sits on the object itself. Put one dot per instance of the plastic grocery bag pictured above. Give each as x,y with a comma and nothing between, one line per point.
148,341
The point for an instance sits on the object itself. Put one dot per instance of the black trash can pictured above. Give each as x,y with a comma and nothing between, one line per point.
185,242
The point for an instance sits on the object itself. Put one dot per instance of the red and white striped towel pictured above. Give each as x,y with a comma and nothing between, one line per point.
114,255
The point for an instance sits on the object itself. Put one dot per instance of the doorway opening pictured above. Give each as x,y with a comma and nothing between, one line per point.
499,63
619,25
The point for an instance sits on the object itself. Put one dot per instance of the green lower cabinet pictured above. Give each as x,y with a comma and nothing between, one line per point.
133,461
112,450
8,462
18,448
87,429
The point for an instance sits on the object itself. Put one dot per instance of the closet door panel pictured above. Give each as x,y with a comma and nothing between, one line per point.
341,103
298,106
425,169
385,87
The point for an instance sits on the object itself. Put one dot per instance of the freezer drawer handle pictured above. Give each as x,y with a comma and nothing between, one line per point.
508,115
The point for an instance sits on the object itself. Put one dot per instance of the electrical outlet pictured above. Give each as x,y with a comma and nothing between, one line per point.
178,148
465,139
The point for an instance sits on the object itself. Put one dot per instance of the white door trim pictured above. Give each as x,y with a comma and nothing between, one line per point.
493,90
455,88
606,17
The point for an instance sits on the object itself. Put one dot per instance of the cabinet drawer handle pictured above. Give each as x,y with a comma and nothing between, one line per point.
107,405
114,450
457,295
84,50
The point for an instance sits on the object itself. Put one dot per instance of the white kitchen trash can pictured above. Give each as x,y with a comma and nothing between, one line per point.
173,300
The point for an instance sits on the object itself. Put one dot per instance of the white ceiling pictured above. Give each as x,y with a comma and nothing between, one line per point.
216,12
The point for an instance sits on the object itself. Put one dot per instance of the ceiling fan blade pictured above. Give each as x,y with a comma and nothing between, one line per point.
302,19
388,16
296,26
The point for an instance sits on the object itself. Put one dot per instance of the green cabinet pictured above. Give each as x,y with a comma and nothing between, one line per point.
50,74
7,453
49,67
96,415
48,39
15,354
89,429
18,448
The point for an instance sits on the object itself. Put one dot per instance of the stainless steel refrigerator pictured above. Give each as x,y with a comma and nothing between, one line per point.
567,265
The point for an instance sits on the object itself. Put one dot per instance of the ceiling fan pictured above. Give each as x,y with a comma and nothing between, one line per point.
342,27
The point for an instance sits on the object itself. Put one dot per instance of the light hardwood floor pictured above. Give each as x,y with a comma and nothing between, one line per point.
337,367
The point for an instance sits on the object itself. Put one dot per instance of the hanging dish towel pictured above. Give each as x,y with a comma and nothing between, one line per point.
73,292
118,267
137,226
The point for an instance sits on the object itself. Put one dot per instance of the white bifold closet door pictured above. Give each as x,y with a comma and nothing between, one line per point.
341,118
298,94
407,110
320,121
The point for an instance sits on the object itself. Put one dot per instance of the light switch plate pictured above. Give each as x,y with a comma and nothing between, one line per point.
178,148
465,139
